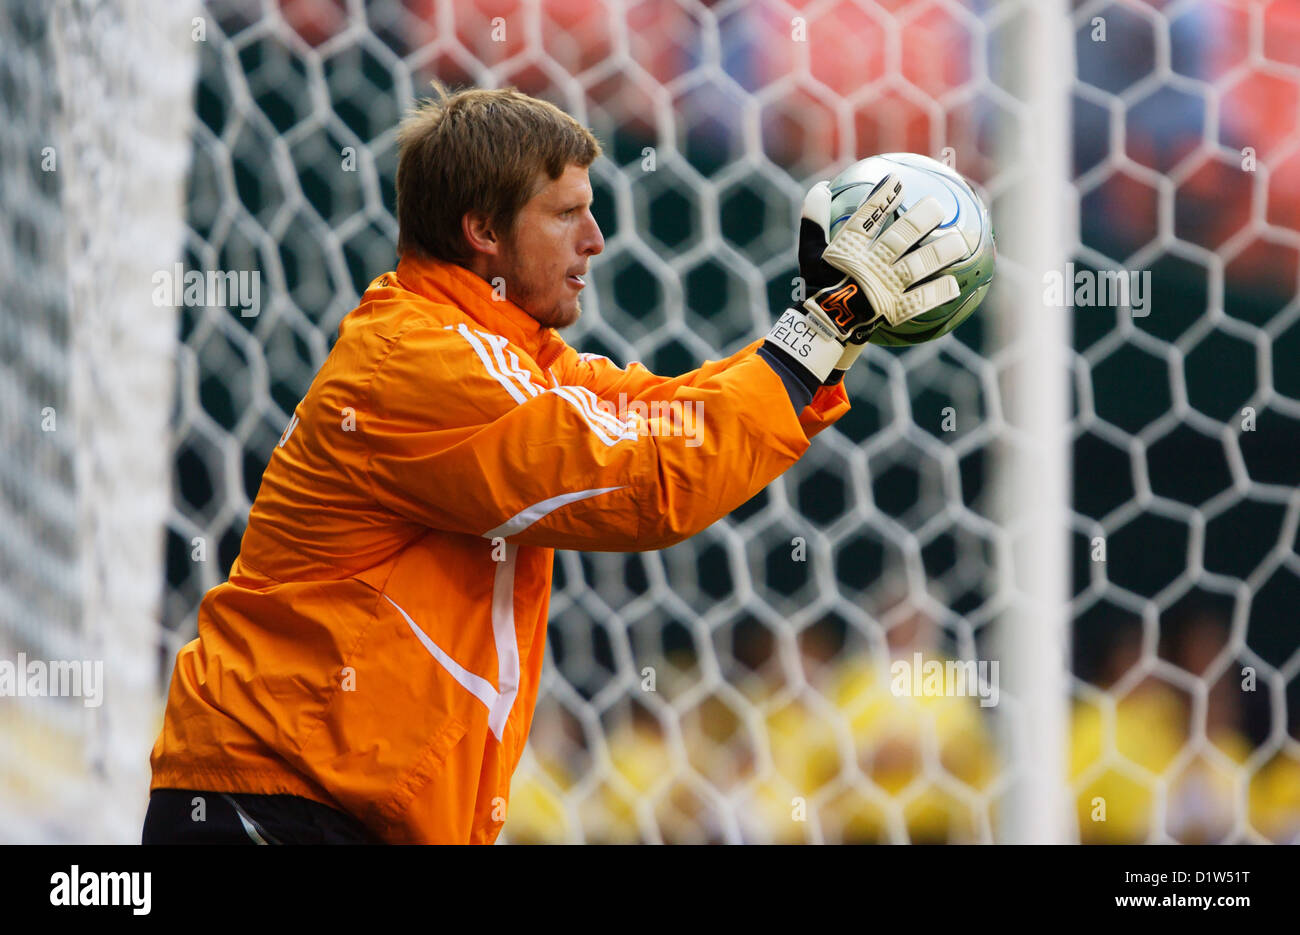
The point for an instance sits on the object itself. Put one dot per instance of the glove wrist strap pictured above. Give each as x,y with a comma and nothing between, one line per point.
809,341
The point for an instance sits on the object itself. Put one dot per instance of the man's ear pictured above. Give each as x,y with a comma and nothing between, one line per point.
479,233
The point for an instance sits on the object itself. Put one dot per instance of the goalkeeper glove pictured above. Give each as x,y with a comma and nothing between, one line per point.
822,340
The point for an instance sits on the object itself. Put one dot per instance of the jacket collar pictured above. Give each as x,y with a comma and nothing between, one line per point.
443,282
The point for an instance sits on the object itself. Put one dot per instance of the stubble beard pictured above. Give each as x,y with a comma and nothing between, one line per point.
561,315
563,319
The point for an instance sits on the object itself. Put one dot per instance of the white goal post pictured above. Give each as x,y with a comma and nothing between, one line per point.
95,137
1034,461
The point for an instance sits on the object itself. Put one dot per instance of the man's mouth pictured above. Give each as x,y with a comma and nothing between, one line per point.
575,280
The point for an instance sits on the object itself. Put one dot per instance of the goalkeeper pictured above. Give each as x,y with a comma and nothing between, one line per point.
369,671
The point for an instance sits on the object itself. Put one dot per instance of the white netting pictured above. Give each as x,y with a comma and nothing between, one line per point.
41,607
772,716
96,99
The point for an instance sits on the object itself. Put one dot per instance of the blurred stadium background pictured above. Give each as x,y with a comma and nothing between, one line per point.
259,136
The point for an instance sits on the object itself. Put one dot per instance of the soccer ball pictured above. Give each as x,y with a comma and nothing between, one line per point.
963,212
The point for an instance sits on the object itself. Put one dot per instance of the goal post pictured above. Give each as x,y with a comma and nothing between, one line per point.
1033,473
96,146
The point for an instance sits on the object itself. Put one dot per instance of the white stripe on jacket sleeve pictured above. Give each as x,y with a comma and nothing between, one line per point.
517,381
531,514
511,386
516,373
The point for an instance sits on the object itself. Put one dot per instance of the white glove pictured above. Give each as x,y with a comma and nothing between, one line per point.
871,248
877,258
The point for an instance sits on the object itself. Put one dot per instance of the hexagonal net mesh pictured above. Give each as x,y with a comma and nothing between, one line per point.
743,686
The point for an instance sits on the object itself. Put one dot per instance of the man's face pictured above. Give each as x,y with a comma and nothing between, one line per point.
544,260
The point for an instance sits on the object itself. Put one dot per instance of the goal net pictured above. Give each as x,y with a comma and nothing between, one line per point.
94,144
1038,584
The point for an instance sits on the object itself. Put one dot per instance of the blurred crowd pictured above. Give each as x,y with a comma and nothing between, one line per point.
848,759
801,66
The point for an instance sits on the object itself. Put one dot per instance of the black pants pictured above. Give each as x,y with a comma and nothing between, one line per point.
187,816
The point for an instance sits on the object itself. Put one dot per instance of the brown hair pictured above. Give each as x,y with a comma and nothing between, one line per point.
477,150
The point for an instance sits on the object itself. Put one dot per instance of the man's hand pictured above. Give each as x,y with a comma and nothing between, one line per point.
884,260
882,268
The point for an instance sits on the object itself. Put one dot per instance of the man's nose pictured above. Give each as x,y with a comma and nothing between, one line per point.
592,241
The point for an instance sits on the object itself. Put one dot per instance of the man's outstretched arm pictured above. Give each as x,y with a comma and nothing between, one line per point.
455,442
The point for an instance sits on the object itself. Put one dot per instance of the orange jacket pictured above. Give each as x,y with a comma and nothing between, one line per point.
379,643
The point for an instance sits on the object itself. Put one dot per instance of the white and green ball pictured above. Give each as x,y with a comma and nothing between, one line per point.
963,212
